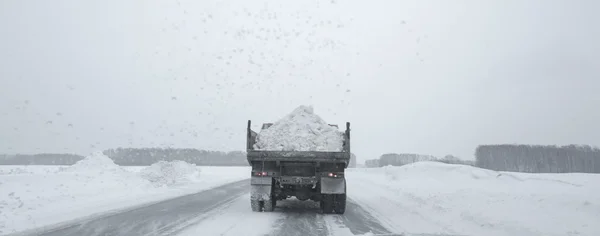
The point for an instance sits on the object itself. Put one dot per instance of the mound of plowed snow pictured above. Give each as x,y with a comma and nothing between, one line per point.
428,170
27,200
440,198
95,162
168,173
301,130
437,172
14,171
47,195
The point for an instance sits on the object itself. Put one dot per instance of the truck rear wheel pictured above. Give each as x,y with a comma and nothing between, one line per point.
326,203
339,204
255,204
269,205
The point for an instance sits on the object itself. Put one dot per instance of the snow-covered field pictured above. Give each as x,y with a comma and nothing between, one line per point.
421,198
41,196
430,197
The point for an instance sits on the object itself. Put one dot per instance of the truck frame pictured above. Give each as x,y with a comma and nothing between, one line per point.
306,175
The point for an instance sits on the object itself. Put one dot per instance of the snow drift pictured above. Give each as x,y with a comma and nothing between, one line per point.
301,130
95,163
451,199
39,196
168,173
30,200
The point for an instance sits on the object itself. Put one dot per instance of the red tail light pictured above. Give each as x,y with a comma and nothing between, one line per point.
333,174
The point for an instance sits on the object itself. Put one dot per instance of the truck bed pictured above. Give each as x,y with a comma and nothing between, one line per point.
316,156
257,155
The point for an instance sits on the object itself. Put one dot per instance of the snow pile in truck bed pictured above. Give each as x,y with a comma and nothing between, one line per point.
168,173
301,130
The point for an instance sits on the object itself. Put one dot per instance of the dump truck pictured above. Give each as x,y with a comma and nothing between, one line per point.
306,175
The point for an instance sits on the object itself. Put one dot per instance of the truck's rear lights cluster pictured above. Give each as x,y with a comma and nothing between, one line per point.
261,173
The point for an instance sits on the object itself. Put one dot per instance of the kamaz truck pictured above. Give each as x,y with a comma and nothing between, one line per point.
305,175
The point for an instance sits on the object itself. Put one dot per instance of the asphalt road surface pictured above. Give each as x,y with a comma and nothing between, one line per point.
225,210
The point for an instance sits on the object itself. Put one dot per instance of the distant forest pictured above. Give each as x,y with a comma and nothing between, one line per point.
148,156
140,157
39,159
504,157
538,158
399,159
514,158
135,157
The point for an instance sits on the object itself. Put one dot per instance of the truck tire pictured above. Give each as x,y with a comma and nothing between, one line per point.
326,203
269,205
339,204
255,204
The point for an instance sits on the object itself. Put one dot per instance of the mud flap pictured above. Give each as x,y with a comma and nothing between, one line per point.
333,185
260,188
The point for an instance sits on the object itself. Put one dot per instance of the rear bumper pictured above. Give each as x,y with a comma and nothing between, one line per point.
261,187
297,180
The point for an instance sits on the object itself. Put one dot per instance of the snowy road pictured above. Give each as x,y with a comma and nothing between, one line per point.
225,211
424,199
164,218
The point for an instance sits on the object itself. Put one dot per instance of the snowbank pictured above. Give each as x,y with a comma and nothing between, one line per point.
165,173
33,200
301,130
463,200
95,163
15,171
41,196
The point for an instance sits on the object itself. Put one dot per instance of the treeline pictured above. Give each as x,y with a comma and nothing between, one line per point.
141,157
40,159
538,158
395,159
372,163
135,157
148,156
514,158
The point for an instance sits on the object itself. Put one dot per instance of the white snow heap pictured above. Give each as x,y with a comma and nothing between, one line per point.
95,162
301,130
168,173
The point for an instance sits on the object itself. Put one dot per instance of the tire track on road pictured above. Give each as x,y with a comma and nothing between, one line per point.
165,217
302,218
234,219
359,221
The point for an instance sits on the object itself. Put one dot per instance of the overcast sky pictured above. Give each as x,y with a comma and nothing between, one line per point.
429,77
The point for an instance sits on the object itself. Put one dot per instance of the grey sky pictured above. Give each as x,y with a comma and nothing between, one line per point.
430,77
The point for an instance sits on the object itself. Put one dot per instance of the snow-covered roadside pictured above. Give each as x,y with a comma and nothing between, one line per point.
40,196
430,197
